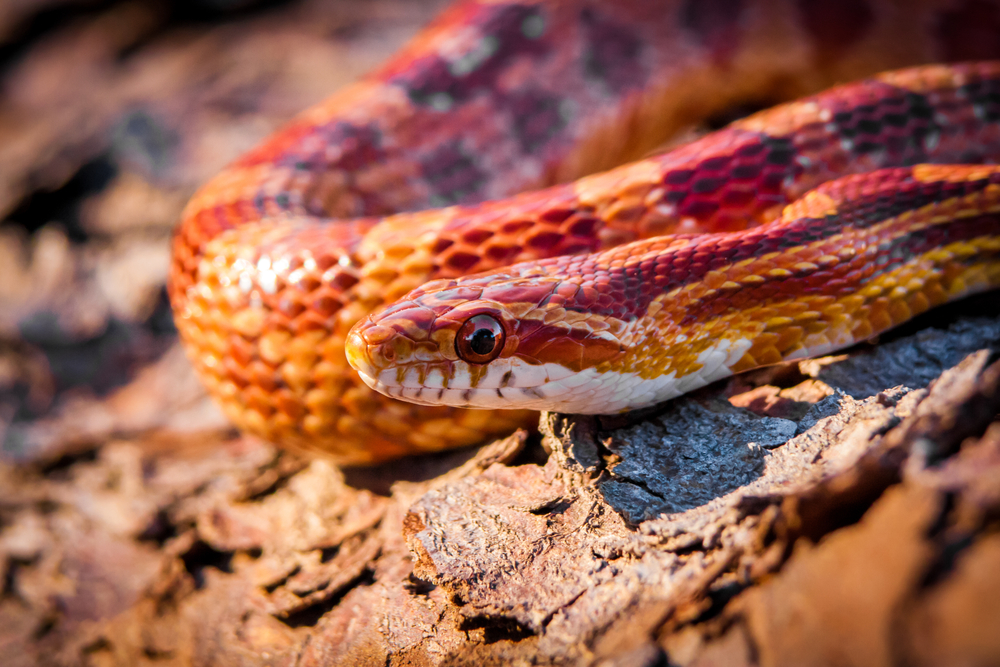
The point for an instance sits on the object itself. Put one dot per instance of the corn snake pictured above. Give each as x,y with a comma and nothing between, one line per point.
265,289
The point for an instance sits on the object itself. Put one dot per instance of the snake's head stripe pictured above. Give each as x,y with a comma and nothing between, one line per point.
488,343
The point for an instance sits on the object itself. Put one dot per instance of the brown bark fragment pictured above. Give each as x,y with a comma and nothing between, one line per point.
806,616
955,621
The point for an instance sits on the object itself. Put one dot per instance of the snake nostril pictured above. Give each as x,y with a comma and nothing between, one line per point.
388,352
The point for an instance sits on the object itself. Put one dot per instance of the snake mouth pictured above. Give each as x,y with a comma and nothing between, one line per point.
453,397
370,373
556,395
459,398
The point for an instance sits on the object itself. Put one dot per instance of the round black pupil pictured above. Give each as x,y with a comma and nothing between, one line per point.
482,341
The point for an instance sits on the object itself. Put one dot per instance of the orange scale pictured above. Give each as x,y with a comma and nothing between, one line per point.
308,283
343,278
625,214
879,314
748,361
263,375
258,400
326,260
898,311
322,401
311,321
500,254
763,340
289,404
441,244
818,327
227,391
276,320
544,240
240,349
236,371
918,303
326,304
284,427
458,261
255,422
719,306
297,377
742,299
290,306
331,371
862,330
789,339
738,197
794,307
359,400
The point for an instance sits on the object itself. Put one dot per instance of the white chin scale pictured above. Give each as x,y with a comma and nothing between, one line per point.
513,384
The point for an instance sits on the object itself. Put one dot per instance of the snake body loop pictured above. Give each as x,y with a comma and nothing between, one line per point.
340,213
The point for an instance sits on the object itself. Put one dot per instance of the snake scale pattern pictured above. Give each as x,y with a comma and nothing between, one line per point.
412,174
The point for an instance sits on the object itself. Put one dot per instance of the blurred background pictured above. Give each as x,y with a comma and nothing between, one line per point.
112,112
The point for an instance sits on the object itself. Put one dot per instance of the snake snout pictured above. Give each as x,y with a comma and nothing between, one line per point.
379,349
358,356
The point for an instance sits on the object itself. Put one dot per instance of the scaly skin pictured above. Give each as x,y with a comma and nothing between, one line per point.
650,320
281,254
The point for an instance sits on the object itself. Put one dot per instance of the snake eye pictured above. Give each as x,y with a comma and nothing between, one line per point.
480,340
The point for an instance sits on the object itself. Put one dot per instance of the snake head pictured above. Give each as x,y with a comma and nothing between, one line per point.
502,341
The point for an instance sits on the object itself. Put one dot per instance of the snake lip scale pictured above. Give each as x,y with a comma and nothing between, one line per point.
412,174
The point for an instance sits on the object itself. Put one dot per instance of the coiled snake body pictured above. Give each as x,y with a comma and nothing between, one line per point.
283,253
